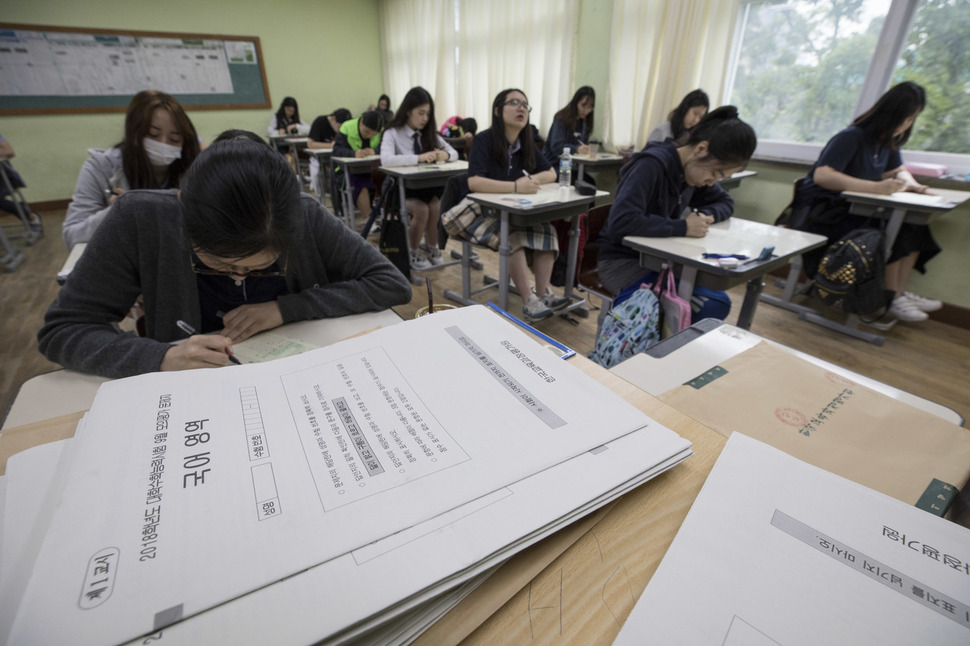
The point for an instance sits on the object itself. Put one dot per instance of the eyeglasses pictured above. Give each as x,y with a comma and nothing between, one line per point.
516,103
200,267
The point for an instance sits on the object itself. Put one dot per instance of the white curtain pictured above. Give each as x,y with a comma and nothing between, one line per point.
466,51
659,51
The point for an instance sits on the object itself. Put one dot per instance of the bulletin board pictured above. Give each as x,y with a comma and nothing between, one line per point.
60,70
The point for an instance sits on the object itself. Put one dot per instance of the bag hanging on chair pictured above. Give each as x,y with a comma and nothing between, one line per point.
393,242
629,328
676,311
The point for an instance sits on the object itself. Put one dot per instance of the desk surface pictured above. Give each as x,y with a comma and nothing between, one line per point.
426,169
356,161
547,199
65,391
319,152
949,199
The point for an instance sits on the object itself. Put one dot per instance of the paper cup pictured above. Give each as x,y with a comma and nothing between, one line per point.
437,308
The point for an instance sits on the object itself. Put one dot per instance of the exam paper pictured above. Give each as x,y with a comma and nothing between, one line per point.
917,198
268,346
776,551
189,489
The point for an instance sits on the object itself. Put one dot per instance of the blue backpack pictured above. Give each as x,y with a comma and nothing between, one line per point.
629,328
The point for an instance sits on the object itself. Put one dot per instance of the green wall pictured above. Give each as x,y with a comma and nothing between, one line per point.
306,45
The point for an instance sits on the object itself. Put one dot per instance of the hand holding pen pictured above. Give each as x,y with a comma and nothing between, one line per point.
198,351
529,187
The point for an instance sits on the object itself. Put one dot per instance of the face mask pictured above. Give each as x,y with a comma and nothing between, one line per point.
160,154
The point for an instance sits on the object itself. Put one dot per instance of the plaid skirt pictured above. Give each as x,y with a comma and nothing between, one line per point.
541,237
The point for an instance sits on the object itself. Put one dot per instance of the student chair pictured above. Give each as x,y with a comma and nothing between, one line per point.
588,278
792,285
455,191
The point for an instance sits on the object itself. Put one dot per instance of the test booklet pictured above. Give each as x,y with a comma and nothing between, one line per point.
776,551
184,491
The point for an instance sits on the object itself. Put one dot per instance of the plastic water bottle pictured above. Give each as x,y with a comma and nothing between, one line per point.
565,168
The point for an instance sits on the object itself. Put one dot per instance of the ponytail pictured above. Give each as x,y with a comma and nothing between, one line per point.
729,139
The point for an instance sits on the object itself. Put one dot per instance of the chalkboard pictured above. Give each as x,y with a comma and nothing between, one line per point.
57,70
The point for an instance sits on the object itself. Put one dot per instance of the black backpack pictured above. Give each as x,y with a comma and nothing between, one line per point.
852,274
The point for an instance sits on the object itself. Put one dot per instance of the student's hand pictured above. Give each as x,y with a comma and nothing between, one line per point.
364,152
281,131
115,193
427,158
916,187
198,351
440,155
582,150
294,130
526,185
697,224
246,320
890,185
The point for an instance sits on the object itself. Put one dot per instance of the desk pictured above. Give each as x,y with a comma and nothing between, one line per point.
734,181
423,176
322,157
518,210
72,258
597,160
897,209
353,166
65,391
732,236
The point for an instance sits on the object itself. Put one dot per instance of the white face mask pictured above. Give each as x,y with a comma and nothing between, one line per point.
161,154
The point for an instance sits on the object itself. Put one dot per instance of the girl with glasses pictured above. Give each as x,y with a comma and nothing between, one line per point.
236,251
504,159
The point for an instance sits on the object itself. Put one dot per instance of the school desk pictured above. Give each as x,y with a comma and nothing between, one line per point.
596,160
732,236
351,166
519,209
322,155
896,209
65,391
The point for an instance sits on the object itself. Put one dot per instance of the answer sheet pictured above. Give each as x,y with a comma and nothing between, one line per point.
777,551
190,489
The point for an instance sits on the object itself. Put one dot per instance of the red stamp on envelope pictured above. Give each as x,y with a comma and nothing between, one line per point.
838,380
791,417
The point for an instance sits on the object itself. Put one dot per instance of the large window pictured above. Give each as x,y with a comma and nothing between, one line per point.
803,69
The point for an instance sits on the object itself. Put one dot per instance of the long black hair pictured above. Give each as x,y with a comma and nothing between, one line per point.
138,123
893,108
693,99
729,140
500,145
240,198
373,119
416,97
281,119
570,114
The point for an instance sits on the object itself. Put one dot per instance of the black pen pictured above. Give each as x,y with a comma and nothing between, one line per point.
188,329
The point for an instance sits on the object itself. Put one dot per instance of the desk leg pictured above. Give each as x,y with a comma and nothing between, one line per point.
580,171
750,304
688,276
892,228
572,255
504,252
348,198
405,217
296,162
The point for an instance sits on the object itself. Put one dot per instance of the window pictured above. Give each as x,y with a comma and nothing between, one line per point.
803,69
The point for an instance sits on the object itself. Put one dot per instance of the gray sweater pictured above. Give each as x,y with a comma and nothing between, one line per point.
140,249
101,171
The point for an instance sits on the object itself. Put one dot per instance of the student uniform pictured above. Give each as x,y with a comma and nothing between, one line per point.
561,137
661,132
819,210
102,171
482,163
347,142
274,126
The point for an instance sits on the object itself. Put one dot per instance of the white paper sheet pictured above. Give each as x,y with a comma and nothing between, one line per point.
776,551
190,489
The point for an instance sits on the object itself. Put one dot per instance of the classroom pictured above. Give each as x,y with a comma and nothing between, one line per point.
641,57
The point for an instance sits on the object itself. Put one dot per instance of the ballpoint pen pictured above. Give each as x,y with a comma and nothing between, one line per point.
191,331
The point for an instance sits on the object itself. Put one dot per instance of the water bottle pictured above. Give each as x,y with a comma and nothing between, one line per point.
565,168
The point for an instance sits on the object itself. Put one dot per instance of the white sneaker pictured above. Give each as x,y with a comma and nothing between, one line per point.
553,301
417,262
905,310
434,256
534,309
922,303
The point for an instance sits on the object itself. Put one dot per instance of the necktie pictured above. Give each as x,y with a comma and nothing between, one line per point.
417,143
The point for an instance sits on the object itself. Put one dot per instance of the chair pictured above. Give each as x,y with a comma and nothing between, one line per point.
588,277
791,284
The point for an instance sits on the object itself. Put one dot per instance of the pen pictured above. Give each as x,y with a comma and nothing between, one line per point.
526,174
191,331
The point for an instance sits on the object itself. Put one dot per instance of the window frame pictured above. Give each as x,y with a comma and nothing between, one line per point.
892,39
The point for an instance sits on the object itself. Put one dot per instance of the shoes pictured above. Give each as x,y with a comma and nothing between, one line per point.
906,310
418,263
553,301
534,309
922,303
37,226
434,255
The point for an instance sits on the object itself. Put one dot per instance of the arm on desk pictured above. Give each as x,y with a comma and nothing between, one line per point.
833,180
639,205
341,146
714,201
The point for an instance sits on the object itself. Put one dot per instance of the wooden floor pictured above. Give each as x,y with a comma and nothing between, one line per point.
929,359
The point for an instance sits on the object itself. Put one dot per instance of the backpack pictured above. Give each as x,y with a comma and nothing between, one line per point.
852,274
630,328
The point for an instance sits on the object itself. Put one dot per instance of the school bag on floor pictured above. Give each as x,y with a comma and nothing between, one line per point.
852,274
629,328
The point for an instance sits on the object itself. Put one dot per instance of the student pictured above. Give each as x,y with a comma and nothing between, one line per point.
6,200
683,118
865,157
384,107
504,159
457,126
412,138
669,189
571,127
322,135
237,238
286,120
160,143
360,137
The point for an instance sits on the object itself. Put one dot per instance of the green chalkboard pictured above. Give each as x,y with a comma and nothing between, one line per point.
57,70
